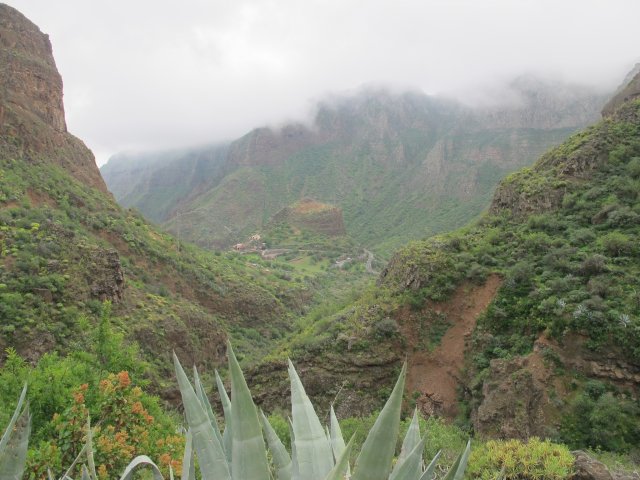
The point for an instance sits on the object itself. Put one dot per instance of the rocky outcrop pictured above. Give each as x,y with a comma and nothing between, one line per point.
587,468
629,91
515,395
107,277
317,217
32,121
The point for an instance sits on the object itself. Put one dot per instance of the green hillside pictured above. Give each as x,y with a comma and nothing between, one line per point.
66,247
400,167
527,320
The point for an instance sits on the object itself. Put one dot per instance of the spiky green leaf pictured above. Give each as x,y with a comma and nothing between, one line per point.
341,468
411,439
14,418
374,461
90,459
85,473
456,472
14,454
141,461
211,457
412,465
249,455
281,458
227,442
204,400
188,462
313,450
428,473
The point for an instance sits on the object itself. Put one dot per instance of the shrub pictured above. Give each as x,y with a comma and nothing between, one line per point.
533,459
616,244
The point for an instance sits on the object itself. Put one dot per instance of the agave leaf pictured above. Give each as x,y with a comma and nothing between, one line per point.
141,461
337,440
411,439
295,470
428,473
456,472
170,472
90,459
341,468
410,468
16,413
50,474
204,400
228,428
213,463
188,463
313,451
74,463
14,454
374,460
85,473
281,458
248,454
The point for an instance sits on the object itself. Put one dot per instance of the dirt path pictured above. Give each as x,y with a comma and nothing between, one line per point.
435,374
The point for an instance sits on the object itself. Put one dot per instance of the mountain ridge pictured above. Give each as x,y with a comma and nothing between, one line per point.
433,160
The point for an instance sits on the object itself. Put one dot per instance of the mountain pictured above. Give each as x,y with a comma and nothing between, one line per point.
66,247
400,166
523,323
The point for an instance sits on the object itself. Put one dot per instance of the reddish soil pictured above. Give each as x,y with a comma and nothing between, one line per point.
40,198
435,374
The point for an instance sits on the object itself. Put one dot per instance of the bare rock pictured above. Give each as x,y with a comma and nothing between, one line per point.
32,120
587,468
107,276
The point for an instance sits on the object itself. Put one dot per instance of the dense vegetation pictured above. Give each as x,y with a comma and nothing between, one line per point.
561,236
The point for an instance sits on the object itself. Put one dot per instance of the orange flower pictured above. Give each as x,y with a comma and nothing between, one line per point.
84,387
78,397
165,459
123,379
102,471
137,408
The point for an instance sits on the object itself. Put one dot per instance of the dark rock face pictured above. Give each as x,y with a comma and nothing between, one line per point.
587,468
107,277
32,121
34,86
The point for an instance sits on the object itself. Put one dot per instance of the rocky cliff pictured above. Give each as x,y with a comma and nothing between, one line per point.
31,111
66,246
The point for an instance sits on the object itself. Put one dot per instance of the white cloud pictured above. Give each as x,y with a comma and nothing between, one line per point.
155,74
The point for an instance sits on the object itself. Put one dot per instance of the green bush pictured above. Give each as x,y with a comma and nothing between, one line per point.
534,459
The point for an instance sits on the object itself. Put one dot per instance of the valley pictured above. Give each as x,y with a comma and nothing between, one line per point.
483,260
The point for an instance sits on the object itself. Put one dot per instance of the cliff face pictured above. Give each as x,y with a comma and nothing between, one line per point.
31,110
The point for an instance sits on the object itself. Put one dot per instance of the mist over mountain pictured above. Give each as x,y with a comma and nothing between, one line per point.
400,165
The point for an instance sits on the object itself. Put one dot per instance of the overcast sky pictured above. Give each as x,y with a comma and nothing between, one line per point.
151,74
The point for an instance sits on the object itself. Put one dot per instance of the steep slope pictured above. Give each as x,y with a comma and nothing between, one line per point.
399,166
543,289
66,246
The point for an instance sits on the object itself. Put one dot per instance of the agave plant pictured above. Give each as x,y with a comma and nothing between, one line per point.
317,453
15,441
240,453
